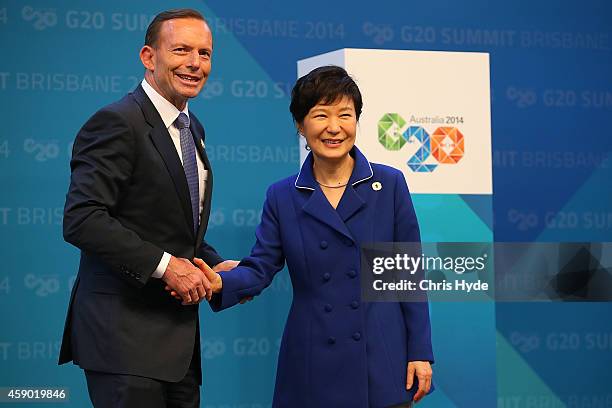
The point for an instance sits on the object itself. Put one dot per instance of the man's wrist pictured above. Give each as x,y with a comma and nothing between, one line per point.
162,266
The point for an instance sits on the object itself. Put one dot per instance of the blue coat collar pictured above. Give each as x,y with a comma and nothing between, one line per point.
317,205
361,172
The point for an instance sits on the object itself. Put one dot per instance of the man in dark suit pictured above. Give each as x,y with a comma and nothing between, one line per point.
137,208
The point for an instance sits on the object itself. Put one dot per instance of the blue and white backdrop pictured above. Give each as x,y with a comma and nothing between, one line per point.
551,103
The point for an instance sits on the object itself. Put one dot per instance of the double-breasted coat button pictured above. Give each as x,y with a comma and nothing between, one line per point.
326,276
356,336
331,340
328,308
352,273
354,304
323,244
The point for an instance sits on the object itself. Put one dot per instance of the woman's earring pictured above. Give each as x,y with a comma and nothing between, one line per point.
306,145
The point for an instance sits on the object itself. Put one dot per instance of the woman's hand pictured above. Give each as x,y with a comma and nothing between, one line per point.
228,266
422,370
225,266
213,277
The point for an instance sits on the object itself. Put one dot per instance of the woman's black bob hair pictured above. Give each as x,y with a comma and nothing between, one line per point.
323,85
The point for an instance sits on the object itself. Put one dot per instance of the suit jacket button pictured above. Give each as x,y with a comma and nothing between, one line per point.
331,340
323,244
356,336
352,273
328,308
354,304
326,276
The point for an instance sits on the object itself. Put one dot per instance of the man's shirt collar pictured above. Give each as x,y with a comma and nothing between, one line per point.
166,110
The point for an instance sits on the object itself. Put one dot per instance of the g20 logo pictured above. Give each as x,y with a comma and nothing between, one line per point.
444,146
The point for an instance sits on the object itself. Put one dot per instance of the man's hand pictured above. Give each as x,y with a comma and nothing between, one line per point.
213,276
422,370
187,282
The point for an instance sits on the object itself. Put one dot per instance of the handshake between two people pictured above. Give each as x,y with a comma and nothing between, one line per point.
190,282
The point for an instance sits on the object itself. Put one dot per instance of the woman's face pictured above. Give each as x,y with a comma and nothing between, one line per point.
330,129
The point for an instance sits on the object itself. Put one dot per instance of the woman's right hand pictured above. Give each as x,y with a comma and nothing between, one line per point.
213,277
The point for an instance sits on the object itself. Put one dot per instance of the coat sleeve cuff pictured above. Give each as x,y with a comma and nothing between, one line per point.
420,352
231,292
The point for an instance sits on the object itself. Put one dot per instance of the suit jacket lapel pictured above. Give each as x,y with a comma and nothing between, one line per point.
163,143
317,205
198,139
352,202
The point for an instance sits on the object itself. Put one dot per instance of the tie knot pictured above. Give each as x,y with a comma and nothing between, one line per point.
182,121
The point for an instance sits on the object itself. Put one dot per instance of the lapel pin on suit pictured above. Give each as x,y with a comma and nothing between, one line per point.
376,186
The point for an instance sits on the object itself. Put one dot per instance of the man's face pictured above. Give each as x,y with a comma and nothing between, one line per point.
179,63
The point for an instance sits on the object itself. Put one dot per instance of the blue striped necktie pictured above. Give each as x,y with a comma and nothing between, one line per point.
190,166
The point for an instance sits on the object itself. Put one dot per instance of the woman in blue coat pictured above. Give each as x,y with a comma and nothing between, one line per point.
336,351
